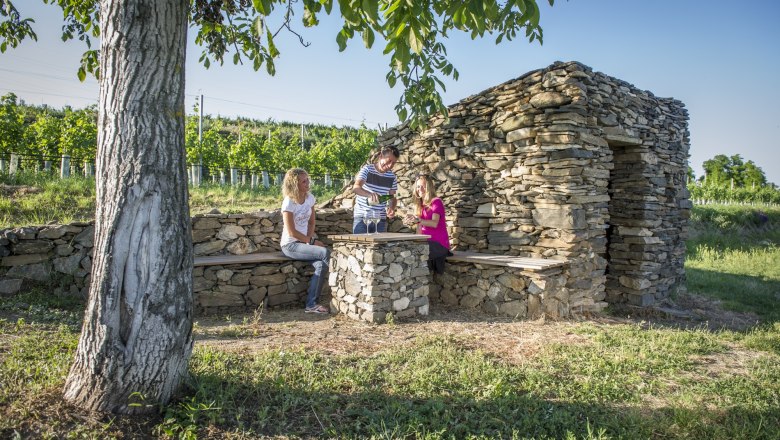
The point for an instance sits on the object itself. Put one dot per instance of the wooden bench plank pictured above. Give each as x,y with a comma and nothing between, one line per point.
380,237
531,264
259,257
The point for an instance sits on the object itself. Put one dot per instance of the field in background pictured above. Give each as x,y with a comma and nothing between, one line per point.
36,199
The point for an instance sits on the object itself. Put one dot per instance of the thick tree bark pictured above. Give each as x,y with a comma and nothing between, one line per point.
137,335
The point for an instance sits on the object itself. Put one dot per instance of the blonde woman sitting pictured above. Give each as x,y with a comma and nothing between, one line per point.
299,240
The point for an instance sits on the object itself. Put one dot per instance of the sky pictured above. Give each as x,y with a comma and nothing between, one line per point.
721,59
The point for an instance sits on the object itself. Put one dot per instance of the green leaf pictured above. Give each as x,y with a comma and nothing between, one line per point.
371,9
257,26
368,37
263,6
272,50
341,40
415,41
82,74
389,47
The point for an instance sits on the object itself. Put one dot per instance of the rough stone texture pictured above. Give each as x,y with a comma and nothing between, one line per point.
504,290
397,286
563,163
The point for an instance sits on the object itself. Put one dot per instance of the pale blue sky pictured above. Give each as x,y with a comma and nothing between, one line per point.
720,58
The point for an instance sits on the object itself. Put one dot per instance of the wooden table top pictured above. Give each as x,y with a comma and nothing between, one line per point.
381,237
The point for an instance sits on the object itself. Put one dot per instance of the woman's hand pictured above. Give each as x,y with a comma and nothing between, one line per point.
410,219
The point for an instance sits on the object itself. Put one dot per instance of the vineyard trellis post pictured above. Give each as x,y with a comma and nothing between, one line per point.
65,166
14,165
266,179
198,175
89,169
195,174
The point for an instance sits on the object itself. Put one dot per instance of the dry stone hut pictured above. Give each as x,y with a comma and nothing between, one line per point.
564,163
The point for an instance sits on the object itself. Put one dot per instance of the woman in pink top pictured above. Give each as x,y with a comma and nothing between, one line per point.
429,217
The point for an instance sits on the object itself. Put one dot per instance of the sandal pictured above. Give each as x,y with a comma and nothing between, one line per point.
319,309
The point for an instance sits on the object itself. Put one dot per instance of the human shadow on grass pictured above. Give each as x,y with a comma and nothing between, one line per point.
274,408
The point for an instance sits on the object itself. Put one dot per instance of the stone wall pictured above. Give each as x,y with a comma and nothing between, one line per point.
239,234
563,163
57,255
238,288
60,256
503,290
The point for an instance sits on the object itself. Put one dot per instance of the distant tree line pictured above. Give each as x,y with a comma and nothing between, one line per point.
731,171
731,179
41,133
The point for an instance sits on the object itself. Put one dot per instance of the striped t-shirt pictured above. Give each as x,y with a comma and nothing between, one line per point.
374,181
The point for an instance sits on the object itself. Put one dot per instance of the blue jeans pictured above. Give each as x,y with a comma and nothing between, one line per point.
358,227
319,256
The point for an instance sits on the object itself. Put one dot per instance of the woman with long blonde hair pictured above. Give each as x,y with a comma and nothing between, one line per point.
430,220
299,240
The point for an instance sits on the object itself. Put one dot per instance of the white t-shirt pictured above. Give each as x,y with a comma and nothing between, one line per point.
301,214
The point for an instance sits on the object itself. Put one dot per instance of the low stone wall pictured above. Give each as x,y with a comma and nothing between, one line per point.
503,290
260,231
60,257
239,288
57,255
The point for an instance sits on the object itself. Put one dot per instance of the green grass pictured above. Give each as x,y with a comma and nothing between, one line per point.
44,199
734,256
36,199
616,381
235,200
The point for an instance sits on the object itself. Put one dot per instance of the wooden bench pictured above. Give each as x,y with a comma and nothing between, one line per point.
256,258
529,264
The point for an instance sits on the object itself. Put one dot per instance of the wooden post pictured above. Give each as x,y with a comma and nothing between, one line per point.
65,166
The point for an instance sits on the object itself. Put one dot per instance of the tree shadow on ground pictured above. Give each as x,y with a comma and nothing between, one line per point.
276,409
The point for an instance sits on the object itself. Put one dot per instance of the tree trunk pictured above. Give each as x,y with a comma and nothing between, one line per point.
136,340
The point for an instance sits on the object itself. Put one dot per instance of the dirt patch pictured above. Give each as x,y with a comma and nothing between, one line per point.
506,338
336,334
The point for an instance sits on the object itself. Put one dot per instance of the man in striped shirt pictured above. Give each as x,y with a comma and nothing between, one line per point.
375,179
